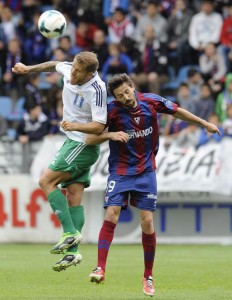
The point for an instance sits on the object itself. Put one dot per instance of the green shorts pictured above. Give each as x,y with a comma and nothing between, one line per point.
77,159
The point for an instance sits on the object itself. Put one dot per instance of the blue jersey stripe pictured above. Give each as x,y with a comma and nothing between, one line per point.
98,89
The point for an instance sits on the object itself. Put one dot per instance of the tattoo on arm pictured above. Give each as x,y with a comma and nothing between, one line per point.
49,66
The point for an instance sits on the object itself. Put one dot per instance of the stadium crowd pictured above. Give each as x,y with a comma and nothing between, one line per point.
179,49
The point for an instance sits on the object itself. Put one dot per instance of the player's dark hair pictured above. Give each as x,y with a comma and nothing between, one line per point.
118,80
88,60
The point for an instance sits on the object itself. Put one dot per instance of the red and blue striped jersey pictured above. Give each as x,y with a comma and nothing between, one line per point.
138,155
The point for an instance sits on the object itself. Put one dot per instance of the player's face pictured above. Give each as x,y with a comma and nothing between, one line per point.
79,75
125,95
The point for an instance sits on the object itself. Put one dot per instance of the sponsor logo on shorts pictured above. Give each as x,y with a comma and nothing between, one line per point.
151,196
133,134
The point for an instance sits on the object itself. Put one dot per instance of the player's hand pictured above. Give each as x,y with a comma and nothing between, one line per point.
212,128
68,126
20,68
119,136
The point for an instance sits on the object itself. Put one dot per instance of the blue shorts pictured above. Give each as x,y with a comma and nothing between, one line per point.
140,190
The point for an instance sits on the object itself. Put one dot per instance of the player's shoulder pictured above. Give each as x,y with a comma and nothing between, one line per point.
147,97
112,107
97,85
65,64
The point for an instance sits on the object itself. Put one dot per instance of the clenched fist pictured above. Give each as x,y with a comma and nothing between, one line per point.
20,68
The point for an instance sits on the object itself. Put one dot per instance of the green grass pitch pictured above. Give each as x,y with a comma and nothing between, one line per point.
187,272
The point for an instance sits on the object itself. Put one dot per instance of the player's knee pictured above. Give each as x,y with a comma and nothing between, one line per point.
147,223
112,214
42,182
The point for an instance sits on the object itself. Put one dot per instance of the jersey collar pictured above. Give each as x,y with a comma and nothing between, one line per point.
91,81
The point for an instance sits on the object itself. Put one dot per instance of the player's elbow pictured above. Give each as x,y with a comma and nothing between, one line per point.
98,128
90,140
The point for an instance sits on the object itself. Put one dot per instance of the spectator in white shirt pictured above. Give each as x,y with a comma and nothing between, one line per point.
205,27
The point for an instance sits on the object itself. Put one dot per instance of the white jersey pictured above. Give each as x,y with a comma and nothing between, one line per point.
82,103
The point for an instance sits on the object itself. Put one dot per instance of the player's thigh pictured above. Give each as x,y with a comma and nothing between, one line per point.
75,158
116,191
144,194
50,177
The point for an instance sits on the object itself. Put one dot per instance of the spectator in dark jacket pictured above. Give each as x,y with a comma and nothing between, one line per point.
32,93
177,28
154,62
34,126
117,62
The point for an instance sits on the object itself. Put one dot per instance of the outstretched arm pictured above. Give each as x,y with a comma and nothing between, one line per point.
49,66
185,115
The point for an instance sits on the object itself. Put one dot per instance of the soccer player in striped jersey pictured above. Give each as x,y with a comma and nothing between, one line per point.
133,135
84,102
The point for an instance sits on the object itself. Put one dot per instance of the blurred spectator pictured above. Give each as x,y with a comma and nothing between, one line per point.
224,99
84,34
12,83
66,45
212,67
227,124
128,46
120,26
205,107
109,7
154,62
117,62
15,5
8,26
35,45
178,131
167,7
177,29
205,27
68,6
100,47
194,81
94,9
226,38
32,93
3,126
34,126
152,18
56,116
29,8
205,137
184,99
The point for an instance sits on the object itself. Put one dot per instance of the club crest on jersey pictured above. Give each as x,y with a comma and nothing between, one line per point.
78,101
137,120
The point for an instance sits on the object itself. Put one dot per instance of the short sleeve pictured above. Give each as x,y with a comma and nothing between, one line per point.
163,105
98,104
64,68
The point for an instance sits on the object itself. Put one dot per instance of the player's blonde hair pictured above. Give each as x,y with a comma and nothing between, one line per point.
88,60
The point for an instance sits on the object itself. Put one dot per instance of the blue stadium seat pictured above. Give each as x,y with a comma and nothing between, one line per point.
18,112
174,83
43,84
6,106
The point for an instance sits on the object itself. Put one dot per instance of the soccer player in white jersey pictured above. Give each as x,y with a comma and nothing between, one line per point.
84,102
